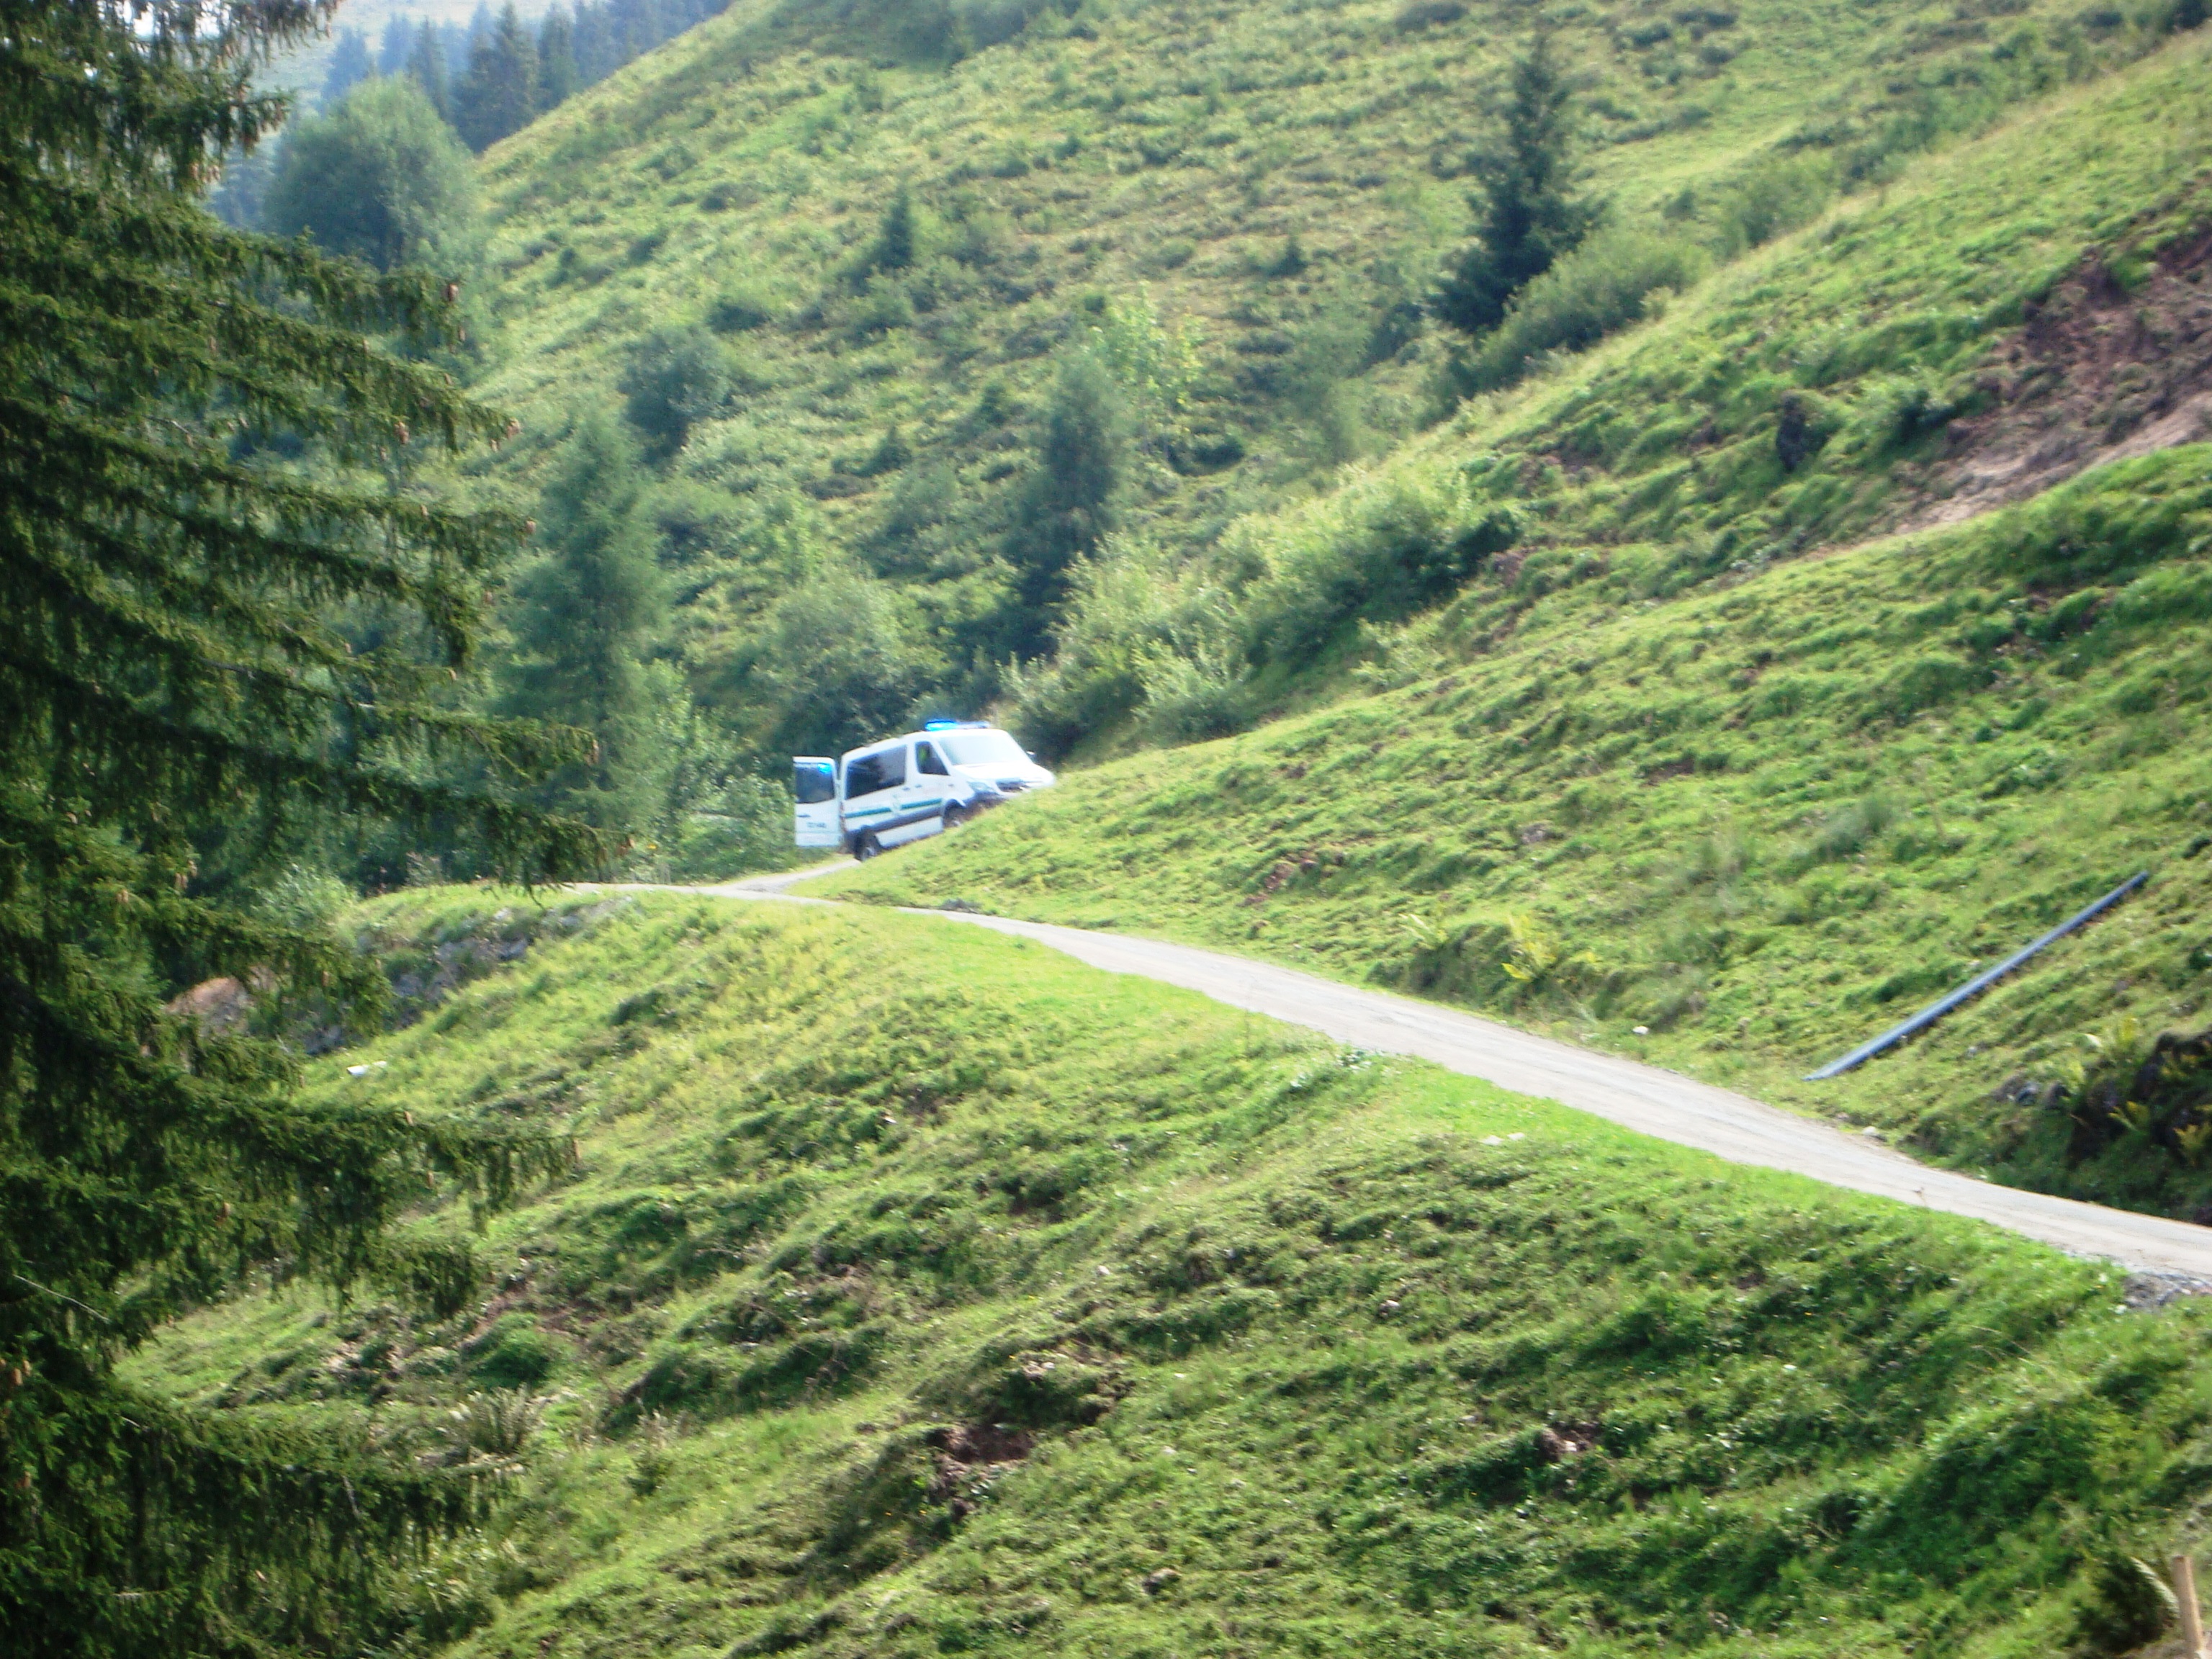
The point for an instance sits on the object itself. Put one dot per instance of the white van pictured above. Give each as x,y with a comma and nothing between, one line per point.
903,788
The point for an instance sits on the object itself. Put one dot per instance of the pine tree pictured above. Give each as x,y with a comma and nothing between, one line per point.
393,51
350,66
380,178
557,79
584,616
167,671
499,95
897,239
425,63
1069,505
1527,212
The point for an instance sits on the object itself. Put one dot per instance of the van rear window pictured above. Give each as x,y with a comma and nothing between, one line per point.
814,781
867,774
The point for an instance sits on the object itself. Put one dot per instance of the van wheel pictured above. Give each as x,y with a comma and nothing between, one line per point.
956,816
867,846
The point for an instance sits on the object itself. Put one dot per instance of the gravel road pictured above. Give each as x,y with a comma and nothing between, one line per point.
1641,1097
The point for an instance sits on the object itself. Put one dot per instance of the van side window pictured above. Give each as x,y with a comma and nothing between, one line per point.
865,774
925,760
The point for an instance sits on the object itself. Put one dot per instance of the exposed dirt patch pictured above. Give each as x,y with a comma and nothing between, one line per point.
970,1458
2117,362
1557,1442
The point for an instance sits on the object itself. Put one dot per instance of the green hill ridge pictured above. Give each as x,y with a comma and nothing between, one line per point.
1763,824
1761,806
2013,311
1238,208
920,1291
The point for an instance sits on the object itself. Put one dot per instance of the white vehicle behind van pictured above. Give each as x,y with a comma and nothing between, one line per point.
904,788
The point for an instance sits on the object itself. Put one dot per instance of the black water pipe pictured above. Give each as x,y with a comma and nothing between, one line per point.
1936,1010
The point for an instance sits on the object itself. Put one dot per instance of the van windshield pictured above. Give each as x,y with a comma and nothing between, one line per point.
982,749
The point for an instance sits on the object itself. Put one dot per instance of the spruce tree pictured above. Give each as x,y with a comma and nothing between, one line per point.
557,80
167,669
392,51
898,238
425,63
584,617
499,95
1068,506
1527,211
350,66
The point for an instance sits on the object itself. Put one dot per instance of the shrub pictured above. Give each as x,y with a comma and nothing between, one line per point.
1392,543
1123,608
736,310
884,305
1850,828
2169,594
513,1354
678,378
1190,698
381,178
1773,199
2127,514
1604,285
1427,14
745,826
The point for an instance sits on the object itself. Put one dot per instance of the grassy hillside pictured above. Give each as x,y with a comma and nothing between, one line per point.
918,1291
2010,312
1654,766
1236,207
1764,823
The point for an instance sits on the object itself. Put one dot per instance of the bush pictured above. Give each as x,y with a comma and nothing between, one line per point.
678,378
744,827
1773,199
737,309
513,1354
1121,609
2130,513
381,178
1190,698
839,659
1604,285
1395,542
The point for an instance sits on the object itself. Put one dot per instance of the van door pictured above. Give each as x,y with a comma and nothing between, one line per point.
814,790
875,785
921,802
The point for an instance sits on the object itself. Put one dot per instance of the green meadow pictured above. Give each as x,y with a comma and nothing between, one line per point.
1761,823
917,1292
897,230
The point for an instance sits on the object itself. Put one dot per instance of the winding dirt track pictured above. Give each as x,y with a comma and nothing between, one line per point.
1662,1103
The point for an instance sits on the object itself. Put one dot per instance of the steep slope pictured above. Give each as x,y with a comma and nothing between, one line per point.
1236,205
919,1291
2011,311
1764,824
1648,771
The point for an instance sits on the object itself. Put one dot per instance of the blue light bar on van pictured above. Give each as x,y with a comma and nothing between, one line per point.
940,725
